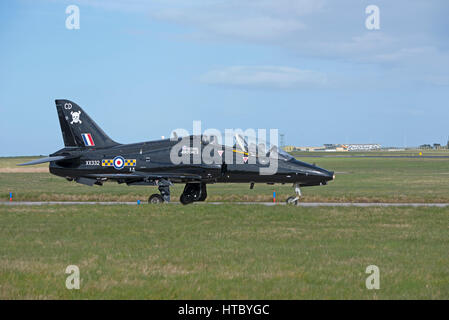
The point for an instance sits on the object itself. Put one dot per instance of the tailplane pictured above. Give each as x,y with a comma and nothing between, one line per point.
78,129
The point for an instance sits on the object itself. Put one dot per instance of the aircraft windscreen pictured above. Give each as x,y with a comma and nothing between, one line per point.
280,153
284,154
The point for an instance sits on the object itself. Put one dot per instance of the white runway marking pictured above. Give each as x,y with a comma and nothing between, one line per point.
301,204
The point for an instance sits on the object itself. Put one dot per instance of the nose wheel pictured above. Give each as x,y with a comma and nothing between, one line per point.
294,200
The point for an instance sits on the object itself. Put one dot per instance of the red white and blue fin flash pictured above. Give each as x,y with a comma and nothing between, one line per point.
88,141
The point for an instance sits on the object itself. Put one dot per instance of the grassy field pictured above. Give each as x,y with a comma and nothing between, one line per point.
230,251
223,252
358,180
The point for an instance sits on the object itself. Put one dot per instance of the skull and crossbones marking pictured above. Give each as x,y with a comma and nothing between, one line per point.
76,117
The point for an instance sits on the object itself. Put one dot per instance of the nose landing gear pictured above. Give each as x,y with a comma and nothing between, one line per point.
294,200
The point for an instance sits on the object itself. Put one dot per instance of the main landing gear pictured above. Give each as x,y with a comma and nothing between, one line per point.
294,200
193,192
164,196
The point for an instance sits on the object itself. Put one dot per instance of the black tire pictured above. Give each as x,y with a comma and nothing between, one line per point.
185,199
291,200
203,193
155,199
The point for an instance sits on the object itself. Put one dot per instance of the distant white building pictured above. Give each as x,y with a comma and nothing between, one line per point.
363,147
337,147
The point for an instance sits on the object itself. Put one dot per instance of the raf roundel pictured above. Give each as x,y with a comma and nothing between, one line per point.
119,162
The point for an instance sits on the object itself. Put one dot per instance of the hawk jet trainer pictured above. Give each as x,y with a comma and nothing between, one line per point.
90,157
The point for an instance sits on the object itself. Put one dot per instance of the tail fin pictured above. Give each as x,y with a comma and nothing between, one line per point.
78,129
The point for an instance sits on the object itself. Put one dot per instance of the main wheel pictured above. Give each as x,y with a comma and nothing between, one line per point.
203,193
292,200
186,199
155,199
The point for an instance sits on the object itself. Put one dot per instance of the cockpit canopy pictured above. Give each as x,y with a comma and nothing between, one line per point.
252,148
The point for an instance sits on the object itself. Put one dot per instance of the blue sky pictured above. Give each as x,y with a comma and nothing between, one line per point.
309,68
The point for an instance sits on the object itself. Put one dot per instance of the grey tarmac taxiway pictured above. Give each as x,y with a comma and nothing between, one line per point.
300,204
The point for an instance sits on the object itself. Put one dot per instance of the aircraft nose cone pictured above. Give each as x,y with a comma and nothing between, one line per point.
315,173
328,175
323,175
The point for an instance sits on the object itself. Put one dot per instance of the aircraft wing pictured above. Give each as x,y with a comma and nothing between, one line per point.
169,176
146,176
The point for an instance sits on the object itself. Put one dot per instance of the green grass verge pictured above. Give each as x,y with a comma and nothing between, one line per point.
223,252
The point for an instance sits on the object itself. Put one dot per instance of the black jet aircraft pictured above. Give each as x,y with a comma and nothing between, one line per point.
90,157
